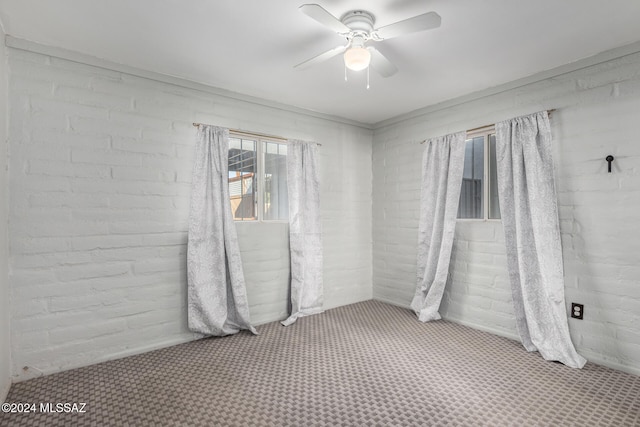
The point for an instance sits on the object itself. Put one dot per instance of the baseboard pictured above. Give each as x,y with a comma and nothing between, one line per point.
397,304
459,321
483,328
594,358
187,337
590,356
4,392
597,359
108,357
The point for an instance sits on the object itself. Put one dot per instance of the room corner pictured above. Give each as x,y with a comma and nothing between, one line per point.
5,331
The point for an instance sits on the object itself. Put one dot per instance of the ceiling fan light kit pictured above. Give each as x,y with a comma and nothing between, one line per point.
357,26
357,57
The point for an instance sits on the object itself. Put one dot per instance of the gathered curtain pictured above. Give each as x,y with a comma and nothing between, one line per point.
442,168
305,233
217,298
529,211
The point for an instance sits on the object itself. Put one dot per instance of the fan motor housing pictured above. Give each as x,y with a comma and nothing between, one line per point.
359,20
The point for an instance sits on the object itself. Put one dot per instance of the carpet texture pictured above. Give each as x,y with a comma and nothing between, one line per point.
366,364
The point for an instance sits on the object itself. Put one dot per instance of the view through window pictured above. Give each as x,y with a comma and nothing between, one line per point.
479,192
257,179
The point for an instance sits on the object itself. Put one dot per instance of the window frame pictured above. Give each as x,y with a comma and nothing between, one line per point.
484,132
260,180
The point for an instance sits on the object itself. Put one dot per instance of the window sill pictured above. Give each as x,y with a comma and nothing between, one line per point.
262,222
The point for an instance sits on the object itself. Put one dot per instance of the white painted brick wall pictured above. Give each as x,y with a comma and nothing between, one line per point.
597,114
100,171
5,320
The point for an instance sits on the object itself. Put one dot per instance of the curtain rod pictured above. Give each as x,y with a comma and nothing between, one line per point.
244,132
489,126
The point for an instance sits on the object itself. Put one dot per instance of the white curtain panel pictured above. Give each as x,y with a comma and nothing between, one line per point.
217,297
442,167
305,232
529,211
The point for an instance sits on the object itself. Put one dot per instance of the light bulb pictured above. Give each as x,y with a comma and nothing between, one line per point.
357,58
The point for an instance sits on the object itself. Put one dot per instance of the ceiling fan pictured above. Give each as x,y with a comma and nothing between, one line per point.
357,26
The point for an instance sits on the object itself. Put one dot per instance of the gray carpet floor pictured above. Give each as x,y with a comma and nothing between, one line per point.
366,364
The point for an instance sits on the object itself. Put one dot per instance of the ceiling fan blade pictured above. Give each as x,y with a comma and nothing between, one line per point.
320,58
381,64
316,12
423,22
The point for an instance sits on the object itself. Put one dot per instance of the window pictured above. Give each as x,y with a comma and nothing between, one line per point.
258,178
479,193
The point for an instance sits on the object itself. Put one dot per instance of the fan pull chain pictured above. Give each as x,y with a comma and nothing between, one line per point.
345,72
368,77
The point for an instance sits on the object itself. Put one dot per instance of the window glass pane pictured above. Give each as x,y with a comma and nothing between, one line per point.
275,201
471,199
494,203
242,178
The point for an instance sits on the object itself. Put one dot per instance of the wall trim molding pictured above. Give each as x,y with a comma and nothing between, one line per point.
69,55
158,345
487,329
602,57
599,58
186,337
4,392
590,356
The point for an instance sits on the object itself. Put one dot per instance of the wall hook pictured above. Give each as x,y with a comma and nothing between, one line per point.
609,159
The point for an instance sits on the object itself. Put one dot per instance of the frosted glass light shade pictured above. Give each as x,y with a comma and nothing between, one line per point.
357,58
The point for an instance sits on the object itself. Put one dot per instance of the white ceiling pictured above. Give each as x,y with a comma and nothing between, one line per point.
250,46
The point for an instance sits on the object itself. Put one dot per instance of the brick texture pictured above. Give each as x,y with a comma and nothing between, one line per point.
597,110
100,173
5,319
100,165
